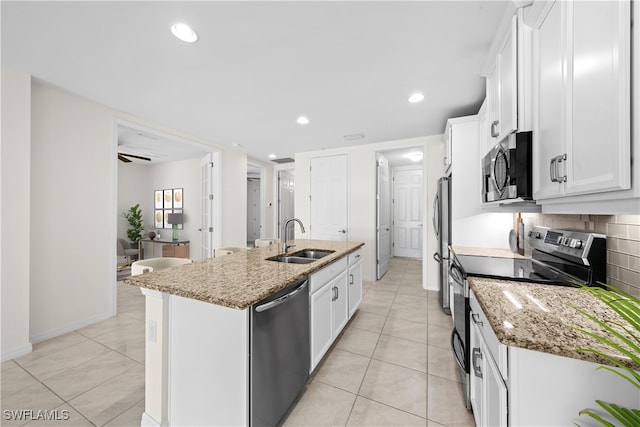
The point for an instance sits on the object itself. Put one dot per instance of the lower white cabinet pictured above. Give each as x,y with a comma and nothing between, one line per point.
488,388
355,281
517,386
336,292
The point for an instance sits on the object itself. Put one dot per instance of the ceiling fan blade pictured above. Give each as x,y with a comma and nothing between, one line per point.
135,157
123,159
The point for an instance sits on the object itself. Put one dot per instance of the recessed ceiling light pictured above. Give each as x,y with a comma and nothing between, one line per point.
184,32
415,156
272,156
302,120
416,97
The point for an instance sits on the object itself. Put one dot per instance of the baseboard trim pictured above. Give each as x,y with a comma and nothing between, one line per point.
148,421
70,327
16,352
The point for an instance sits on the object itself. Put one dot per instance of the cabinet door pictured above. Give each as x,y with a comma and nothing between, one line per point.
355,287
507,82
493,105
549,103
475,375
494,392
598,151
320,305
340,307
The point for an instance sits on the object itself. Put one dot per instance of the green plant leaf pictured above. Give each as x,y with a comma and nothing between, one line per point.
596,417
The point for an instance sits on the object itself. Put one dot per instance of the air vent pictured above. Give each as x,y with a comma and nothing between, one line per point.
283,160
353,136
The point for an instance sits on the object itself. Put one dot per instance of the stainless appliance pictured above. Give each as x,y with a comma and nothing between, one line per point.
442,230
559,257
279,353
506,170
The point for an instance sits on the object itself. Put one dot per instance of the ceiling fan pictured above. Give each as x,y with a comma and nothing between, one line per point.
123,157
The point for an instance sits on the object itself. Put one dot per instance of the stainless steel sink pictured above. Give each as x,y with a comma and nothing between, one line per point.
311,253
304,256
292,259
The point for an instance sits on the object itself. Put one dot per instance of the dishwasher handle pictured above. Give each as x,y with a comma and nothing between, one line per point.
276,302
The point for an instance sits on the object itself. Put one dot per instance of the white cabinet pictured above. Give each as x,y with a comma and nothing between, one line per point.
581,91
506,80
335,293
466,184
320,321
355,281
447,137
488,387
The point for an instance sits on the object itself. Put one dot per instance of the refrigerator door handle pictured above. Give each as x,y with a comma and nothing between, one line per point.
437,257
435,219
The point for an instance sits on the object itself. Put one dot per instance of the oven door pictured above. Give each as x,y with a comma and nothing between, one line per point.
460,335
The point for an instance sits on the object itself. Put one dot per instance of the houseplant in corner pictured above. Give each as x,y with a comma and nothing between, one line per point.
134,217
622,339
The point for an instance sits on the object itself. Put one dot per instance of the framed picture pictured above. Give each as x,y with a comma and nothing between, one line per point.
158,199
168,199
177,198
166,217
159,216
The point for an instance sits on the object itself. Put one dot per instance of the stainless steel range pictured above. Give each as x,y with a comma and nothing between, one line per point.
559,257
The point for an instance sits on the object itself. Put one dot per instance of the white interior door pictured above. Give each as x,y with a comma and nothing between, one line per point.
253,209
407,213
328,214
383,214
206,229
286,184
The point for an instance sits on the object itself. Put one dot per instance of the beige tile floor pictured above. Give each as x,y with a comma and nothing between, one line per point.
391,366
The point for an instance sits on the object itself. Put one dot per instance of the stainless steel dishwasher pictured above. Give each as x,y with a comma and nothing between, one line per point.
280,353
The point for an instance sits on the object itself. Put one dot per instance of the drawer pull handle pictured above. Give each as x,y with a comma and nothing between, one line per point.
477,354
476,319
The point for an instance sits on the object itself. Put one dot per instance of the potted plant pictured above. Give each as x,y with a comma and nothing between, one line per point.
134,217
622,339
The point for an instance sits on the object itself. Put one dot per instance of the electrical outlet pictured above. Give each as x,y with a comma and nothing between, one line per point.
152,331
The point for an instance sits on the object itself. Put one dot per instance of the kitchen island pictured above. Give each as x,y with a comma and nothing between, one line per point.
198,320
527,366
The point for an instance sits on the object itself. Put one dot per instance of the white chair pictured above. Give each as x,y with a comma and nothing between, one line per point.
152,264
261,243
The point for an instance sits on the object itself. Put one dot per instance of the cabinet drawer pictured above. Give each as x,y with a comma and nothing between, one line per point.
497,349
322,277
355,256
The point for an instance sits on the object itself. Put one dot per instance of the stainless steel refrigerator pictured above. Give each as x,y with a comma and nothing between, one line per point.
442,229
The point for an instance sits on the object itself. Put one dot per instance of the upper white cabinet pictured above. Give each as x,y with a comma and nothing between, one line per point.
581,97
506,80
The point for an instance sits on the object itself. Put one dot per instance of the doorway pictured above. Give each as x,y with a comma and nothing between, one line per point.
393,237
286,198
255,197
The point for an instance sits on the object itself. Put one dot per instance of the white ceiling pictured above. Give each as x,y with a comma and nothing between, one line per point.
348,66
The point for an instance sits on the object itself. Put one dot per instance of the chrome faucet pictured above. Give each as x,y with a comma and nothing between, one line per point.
286,247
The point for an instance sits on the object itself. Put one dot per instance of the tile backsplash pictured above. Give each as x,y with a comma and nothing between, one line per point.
623,242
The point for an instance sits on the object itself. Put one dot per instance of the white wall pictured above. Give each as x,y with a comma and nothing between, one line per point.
15,206
133,187
69,274
362,204
183,174
72,212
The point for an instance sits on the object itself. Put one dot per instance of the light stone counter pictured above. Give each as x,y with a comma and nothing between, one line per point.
488,252
540,317
241,279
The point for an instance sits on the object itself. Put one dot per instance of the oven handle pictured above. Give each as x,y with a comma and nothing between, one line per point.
456,274
454,335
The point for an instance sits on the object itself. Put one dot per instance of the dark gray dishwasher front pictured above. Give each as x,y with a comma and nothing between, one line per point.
280,353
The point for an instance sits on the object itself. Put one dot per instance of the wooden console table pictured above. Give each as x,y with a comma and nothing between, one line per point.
170,248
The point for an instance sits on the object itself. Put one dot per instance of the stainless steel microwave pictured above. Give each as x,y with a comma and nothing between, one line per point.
506,170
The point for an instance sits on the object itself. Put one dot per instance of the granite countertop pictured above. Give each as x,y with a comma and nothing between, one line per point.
540,317
488,252
241,279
